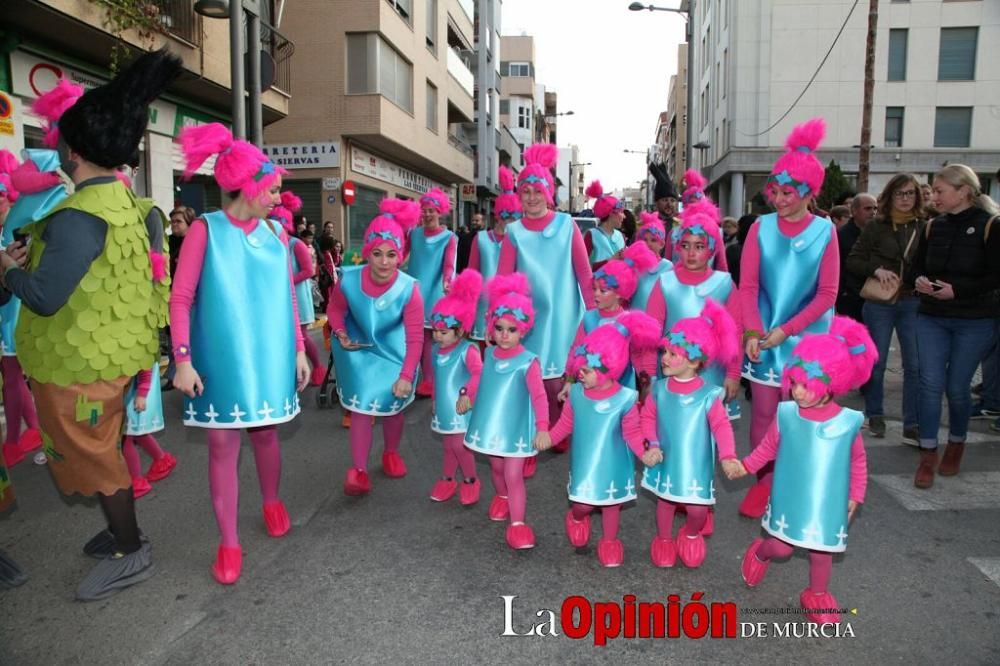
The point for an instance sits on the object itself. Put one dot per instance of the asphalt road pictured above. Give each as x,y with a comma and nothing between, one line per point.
394,577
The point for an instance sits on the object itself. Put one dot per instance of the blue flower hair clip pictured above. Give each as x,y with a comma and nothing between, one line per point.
692,349
813,369
593,359
517,313
384,235
449,321
609,279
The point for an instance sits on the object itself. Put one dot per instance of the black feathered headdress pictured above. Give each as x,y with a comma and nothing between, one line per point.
664,186
107,123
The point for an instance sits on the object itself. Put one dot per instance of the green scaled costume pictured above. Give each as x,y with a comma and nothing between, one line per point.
108,327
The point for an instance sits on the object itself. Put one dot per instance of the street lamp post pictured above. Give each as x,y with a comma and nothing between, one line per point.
571,185
545,117
687,14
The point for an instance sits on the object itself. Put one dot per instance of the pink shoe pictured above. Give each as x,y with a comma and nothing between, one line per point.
520,536
318,376
393,465
577,531
425,389
499,510
530,467
563,446
228,563
468,493
30,440
444,490
161,469
12,454
610,552
709,527
140,486
276,519
691,549
357,483
820,601
753,569
755,502
663,552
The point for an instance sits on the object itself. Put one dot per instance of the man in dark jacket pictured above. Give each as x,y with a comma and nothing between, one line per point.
849,301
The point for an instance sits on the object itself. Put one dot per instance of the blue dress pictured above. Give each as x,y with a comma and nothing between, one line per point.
647,281
489,258
601,466
503,419
242,333
546,258
450,375
426,264
789,278
812,479
687,472
365,376
604,247
150,420
303,290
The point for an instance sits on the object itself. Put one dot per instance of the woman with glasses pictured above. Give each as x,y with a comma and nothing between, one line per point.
885,252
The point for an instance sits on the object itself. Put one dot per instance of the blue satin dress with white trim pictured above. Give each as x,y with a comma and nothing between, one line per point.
503,419
601,466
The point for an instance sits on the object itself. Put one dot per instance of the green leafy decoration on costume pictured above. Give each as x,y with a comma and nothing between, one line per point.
88,410
49,449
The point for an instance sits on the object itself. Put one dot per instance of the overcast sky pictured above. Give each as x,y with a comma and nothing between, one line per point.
611,67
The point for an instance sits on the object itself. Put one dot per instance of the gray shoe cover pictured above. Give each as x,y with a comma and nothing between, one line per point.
10,574
103,544
116,572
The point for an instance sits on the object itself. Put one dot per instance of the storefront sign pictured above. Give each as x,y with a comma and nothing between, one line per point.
369,165
331,183
468,192
321,155
31,76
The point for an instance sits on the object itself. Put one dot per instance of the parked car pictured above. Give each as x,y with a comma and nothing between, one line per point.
585,223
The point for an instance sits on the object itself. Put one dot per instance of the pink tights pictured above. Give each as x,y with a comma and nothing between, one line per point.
508,481
427,358
361,436
223,474
552,388
764,407
697,514
312,353
16,399
148,444
610,517
820,563
456,454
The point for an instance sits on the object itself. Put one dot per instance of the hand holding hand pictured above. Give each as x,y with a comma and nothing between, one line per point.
733,469
463,405
652,457
543,442
139,404
402,388
773,338
563,392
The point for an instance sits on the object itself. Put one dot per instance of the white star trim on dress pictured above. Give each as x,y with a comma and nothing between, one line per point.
211,413
237,414
265,411
474,439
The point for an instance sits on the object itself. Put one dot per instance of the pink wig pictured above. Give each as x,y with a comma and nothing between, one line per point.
123,178
436,199
8,162
507,207
622,275
239,167
27,179
711,337
510,298
700,222
651,225
7,191
457,308
605,205
832,363
798,167
606,349
539,158
159,264
52,104
285,211
395,219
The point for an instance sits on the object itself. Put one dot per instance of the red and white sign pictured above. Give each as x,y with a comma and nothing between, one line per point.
349,192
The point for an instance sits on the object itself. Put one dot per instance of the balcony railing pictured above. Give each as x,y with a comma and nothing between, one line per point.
458,69
176,17
281,49
461,146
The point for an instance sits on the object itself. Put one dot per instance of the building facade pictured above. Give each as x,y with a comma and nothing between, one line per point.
517,99
45,40
386,100
936,88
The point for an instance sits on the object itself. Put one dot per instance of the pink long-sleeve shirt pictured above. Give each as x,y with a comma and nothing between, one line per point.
631,425
581,261
185,283
473,363
304,260
536,387
826,289
474,260
413,317
143,382
448,267
718,419
768,449
656,308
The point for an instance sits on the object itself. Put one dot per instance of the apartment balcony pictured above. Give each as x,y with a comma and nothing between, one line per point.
461,73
